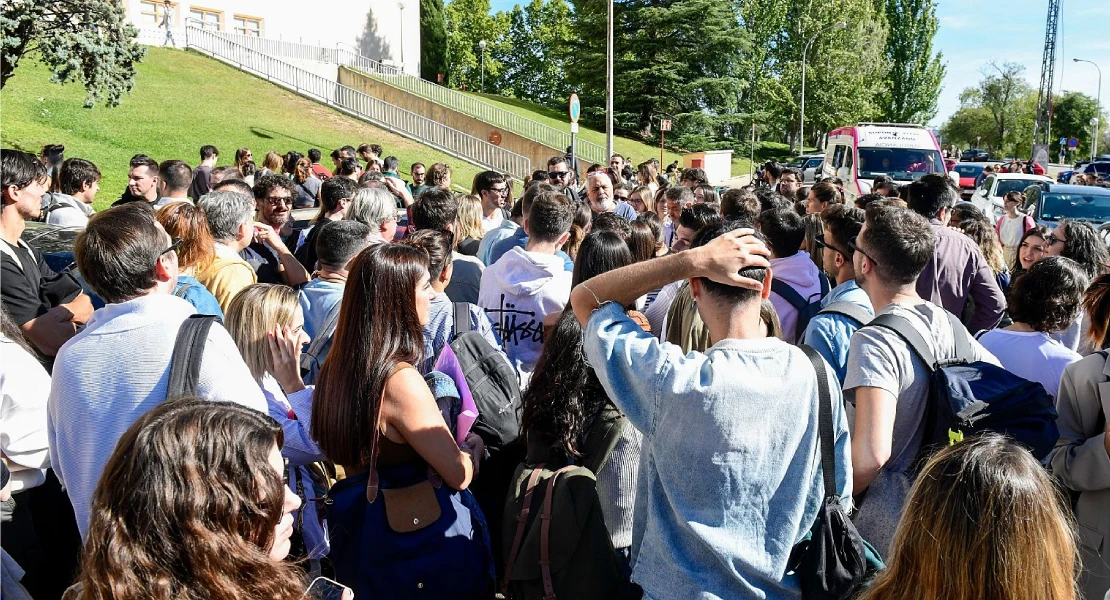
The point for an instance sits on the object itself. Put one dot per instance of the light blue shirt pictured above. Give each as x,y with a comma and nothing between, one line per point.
519,239
503,231
730,478
441,327
317,299
831,334
196,294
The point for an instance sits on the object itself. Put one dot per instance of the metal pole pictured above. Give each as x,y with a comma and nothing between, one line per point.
1098,106
802,119
662,136
751,162
609,85
482,46
401,5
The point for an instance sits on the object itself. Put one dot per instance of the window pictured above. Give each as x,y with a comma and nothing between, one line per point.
153,14
246,25
209,19
838,157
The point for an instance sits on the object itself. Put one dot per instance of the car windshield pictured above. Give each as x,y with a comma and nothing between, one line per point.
968,170
813,163
1079,206
1005,186
1101,167
798,161
899,163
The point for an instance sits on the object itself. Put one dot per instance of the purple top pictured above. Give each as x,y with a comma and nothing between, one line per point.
958,273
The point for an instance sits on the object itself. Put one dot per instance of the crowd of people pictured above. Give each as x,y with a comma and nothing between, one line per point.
614,383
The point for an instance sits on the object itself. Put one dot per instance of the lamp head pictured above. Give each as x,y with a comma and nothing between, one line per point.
482,44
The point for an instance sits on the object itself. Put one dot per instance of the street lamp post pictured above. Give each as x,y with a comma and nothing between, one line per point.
1098,106
609,53
401,5
802,119
482,45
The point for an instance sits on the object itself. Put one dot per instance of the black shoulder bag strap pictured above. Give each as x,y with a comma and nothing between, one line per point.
188,351
911,335
824,421
462,319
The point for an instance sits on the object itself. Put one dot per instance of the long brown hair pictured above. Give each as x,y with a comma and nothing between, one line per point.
983,522
1096,303
242,155
186,508
302,170
185,221
378,329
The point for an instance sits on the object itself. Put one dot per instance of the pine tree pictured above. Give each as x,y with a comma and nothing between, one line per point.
433,40
913,83
85,40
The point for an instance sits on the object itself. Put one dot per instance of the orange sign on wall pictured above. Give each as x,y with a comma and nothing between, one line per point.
495,138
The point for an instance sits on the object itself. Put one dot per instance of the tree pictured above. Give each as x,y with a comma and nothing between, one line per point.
540,34
433,40
1071,117
86,40
999,112
468,23
914,79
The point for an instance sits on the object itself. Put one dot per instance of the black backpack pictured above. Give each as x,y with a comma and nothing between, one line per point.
807,307
492,380
969,398
188,350
832,561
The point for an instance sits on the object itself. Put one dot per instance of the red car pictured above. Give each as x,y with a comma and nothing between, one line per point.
949,165
968,173
1019,167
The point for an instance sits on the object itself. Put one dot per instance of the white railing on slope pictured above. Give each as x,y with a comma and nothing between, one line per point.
464,103
358,104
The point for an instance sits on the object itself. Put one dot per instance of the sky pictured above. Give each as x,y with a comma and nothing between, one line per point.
971,34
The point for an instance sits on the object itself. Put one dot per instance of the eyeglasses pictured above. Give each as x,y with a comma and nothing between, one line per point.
174,245
620,197
279,200
557,174
500,191
1053,240
855,248
821,244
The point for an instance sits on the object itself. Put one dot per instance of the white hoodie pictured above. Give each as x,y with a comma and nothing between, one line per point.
517,292
67,211
800,273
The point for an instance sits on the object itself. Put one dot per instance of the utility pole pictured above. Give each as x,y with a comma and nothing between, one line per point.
1098,106
609,85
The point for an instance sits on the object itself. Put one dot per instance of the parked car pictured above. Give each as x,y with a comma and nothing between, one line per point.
809,164
1100,169
968,175
1016,166
975,155
1073,202
988,198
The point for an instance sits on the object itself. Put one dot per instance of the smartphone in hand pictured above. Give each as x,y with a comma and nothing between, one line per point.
323,588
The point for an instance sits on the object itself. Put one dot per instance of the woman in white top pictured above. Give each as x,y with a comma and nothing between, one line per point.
1012,226
1043,301
267,324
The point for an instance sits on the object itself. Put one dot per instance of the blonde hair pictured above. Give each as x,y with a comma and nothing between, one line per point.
983,522
253,313
272,161
647,195
469,218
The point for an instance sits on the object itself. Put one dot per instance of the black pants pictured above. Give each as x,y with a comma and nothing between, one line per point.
42,537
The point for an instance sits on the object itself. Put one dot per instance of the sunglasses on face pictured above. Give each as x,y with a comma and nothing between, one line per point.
279,200
1053,240
557,174
855,248
821,244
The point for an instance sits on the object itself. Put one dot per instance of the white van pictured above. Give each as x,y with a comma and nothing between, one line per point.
857,155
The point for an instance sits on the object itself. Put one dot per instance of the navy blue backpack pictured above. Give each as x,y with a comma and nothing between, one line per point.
807,307
969,398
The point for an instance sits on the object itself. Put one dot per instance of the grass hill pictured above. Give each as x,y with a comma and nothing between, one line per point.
180,102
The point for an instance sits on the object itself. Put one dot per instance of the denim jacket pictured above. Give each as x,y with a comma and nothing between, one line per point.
830,334
730,478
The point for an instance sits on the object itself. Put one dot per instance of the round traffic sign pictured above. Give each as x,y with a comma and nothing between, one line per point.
575,108
1072,143
495,138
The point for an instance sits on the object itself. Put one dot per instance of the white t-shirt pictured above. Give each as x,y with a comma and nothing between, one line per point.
1012,230
1031,355
24,389
493,221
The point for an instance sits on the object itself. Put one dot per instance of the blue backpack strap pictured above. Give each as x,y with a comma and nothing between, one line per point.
848,309
789,294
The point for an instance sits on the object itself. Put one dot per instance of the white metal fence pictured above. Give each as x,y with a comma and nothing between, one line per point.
356,103
464,103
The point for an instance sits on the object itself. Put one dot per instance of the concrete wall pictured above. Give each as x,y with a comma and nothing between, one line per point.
538,153
376,27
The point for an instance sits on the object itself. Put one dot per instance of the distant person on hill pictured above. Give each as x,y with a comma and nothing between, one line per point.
142,181
320,171
173,182
201,182
72,206
306,185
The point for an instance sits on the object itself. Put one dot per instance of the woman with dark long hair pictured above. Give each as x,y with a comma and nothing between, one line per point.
403,517
305,184
191,505
984,520
1078,241
565,402
1030,249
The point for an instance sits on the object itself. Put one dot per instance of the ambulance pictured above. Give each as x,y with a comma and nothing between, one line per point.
857,155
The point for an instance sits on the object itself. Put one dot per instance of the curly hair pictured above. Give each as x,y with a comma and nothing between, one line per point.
1047,296
186,509
1085,247
984,236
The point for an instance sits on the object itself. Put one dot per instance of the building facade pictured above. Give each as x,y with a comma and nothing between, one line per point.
383,30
